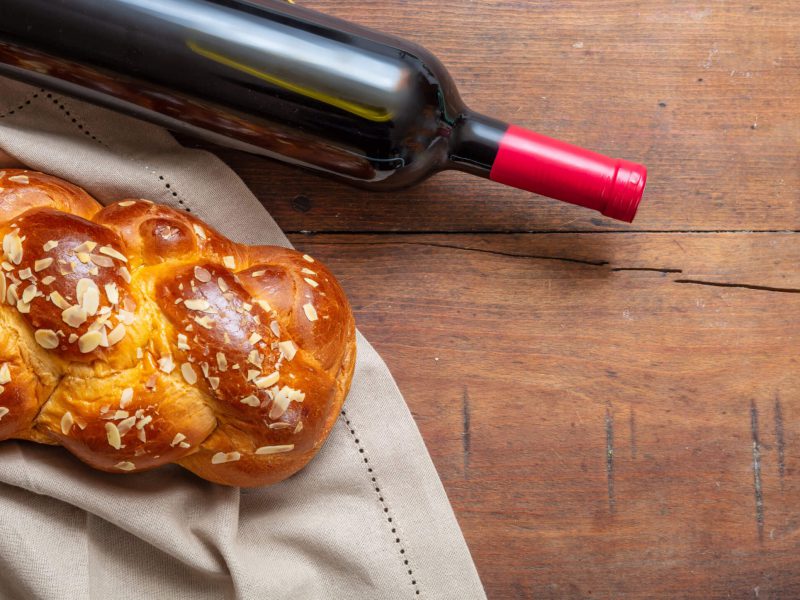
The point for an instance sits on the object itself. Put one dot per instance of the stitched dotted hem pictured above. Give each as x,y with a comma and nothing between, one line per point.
75,121
21,106
62,106
174,194
384,506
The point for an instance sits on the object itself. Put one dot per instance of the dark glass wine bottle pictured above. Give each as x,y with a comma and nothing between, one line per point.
296,85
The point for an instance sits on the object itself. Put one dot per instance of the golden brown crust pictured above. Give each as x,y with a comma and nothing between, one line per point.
135,335
27,189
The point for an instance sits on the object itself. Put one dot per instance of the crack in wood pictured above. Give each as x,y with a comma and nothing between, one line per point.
746,286
653,269
580,261
757,489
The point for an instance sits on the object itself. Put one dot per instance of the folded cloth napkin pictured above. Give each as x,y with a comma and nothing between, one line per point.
367,519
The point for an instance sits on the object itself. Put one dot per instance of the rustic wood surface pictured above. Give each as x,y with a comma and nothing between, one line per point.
614,410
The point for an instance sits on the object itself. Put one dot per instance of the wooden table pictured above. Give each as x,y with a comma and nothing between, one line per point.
614,410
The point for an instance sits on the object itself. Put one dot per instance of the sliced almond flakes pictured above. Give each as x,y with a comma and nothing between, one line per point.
279,405
267,380
12,247
101,261
29,293
66,423
205,322
85,247
275,449
74,316
112,434
288,349
126,397
250,400
116,334
196,304
183,342
188,373
225,457
202,275
42,264
125,425
112,293
109,251
89,341
5,374
46,338
59,300
311,312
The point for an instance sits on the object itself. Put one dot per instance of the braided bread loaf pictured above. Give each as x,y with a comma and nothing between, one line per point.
135,335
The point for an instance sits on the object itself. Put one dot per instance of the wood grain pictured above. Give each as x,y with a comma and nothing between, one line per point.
704,94
594,424
614,410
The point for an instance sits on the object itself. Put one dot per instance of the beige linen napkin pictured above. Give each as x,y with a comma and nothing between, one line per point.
367,519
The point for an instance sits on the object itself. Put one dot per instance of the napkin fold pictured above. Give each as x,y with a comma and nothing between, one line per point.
367,519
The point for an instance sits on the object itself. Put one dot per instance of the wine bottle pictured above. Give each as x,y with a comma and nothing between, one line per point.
293,84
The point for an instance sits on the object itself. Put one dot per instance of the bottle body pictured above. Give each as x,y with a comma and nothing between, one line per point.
269,78
278,80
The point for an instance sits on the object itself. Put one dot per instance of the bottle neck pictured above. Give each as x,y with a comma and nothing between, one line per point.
527,160
475,142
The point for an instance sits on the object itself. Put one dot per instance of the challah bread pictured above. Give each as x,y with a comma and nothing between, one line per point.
135,335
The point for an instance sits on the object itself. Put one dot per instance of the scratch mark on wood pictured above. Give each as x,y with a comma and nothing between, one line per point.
779,440
653,269
759,495
632,424
612,503
745,286
465,436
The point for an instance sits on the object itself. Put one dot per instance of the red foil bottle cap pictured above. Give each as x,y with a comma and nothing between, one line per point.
533,162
